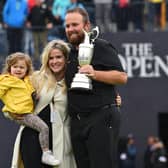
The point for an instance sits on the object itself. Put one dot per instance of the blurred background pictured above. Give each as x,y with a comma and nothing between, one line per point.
138,29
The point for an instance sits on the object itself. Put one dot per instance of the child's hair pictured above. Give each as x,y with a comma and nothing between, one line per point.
13,58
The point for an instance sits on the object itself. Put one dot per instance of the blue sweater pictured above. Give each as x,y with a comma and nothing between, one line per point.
15,13
59,8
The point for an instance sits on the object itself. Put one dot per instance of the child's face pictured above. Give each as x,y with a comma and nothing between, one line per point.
19,69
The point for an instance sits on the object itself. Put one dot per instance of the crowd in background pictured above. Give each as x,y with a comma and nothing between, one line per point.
29,24
143,14
155,154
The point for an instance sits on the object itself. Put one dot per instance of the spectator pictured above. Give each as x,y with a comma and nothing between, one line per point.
137,7
58,11
14,17
103,14
132,151
158,157
148,152
58,30
153,15
122,14
28,38
31,4
155,155
75,4
127,156
122,148
2,2
90,8
39,20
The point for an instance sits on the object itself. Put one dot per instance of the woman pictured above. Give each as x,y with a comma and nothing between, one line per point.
51,107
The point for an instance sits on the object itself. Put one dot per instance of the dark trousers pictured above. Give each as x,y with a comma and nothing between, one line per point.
122,18
40,40
30,146
95,138
137,16
14,37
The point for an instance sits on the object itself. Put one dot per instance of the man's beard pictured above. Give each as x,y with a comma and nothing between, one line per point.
79,38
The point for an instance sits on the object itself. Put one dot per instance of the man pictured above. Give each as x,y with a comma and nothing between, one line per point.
14,17
95,119
40,20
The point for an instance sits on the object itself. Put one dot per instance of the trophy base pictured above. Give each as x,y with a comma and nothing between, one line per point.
81,82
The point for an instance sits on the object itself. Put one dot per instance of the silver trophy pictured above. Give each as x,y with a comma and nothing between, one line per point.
81,81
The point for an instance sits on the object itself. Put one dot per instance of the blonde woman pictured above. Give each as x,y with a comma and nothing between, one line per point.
52,108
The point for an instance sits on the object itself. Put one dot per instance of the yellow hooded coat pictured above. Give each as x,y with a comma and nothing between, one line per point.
16,94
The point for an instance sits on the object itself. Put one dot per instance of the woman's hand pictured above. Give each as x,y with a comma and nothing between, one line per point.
118,100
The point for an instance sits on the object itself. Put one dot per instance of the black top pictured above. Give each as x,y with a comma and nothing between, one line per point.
39,16
105,57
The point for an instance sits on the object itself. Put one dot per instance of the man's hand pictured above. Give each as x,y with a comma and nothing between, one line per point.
88,70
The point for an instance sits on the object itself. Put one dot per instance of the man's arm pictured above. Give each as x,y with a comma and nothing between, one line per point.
110,77
113,77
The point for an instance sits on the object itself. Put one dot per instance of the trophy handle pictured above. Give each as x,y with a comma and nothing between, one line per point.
94,34
86,39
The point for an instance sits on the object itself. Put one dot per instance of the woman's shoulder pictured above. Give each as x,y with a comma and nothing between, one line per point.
38,79
36,75
39,75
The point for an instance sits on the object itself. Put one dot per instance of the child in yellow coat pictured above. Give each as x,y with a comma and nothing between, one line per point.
16,92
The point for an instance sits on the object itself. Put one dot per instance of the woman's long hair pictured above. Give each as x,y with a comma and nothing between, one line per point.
45,74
